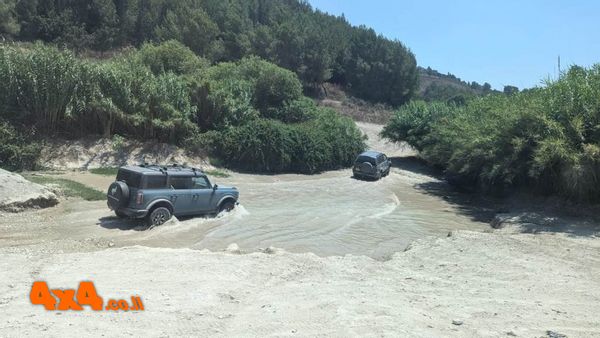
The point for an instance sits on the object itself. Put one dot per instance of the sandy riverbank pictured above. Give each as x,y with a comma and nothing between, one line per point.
494,284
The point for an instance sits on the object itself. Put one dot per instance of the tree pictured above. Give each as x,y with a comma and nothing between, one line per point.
9,27
510,90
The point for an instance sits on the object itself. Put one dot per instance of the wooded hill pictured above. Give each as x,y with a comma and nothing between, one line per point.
316,46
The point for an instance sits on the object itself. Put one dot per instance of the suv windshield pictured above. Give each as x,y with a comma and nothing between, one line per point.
133,180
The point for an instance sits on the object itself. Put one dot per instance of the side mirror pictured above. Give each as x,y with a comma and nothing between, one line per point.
215,187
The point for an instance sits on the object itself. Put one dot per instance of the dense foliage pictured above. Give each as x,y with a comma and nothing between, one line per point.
59,93
316,46
327,142
548,138
17,151
167,93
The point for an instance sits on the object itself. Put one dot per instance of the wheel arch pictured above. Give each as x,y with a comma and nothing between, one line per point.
225,199
161,203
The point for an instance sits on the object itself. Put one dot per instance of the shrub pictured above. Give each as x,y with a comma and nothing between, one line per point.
547,138
235,93
17,151
170,57
326,142
299,110
41,82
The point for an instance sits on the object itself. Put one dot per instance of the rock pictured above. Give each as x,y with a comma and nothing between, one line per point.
17,193
270,250
523,221
510,333
553,334
457,322
233,248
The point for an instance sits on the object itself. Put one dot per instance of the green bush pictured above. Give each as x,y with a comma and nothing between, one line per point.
61,93
17,151
327,142
299,110
547,138
41,82
235,93
170,57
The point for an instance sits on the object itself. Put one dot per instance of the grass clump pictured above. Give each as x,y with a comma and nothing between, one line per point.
217,173
69,188
105,171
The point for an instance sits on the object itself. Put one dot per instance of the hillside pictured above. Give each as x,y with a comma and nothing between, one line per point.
318,47
435,86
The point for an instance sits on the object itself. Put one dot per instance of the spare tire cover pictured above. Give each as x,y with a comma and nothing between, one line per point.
366,167
118,195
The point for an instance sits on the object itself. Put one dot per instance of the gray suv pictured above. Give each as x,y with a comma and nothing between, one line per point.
158,192
371,164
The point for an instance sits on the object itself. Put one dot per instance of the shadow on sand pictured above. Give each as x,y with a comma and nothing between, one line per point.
539,214
113,222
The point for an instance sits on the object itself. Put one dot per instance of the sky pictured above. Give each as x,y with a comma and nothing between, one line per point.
505,42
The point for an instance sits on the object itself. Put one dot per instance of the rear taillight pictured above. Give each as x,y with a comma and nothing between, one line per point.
140,198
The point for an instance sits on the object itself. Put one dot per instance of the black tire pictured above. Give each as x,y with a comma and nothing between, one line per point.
118,195
227,206
120,214
158,216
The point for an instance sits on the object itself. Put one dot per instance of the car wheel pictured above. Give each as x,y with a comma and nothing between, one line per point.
159,216
227,206
120,214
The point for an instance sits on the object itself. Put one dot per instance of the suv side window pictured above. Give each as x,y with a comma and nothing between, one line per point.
200,183
133,180
180,182
156,182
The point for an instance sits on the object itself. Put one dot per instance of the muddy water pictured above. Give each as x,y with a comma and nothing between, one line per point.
327,214
334,214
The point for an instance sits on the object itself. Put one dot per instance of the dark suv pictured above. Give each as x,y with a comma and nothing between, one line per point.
158,192
371,164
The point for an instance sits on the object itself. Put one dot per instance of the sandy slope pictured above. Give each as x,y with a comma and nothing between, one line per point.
495,284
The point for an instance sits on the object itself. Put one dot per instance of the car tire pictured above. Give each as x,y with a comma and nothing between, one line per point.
118,195
227,206
120,214
159,216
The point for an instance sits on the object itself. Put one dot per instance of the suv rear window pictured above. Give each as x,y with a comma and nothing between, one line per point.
362,159
133,180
